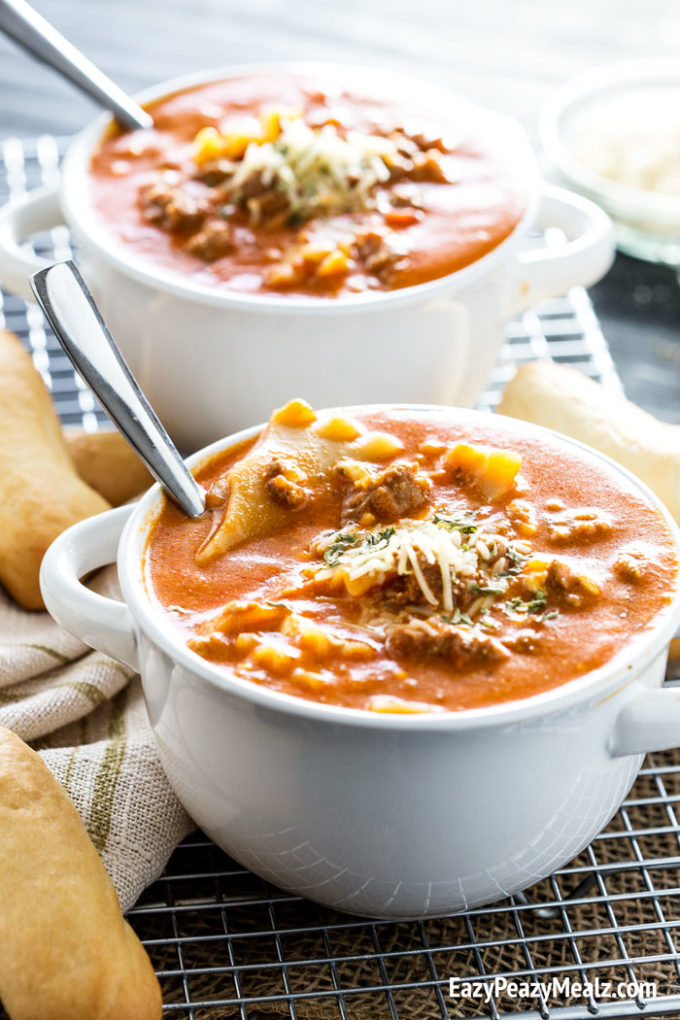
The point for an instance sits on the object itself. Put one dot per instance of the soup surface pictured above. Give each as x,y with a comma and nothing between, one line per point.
409,562
302,184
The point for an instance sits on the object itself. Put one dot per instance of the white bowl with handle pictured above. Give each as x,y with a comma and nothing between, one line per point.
212,361
396,816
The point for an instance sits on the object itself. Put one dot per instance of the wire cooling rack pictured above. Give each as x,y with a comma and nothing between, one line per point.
226,944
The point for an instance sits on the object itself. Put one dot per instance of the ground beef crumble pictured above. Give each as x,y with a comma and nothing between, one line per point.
284,489
397,492
567,589
630,566
170,207
212,241
435,639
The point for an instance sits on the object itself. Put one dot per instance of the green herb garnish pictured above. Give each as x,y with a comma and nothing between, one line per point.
538,603
535,605
478,589
445,522
343,540
381,536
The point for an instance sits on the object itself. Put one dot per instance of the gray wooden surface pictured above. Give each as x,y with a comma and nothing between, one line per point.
503,53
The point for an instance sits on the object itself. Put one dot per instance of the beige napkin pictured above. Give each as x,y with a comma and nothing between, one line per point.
85,715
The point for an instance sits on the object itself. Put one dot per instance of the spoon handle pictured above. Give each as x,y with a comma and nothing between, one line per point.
30,30
72,313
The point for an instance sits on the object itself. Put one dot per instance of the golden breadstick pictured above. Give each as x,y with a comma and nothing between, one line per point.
564,399
40,492
108,464
67,953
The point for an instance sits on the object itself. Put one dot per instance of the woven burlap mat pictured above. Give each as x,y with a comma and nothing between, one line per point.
611,904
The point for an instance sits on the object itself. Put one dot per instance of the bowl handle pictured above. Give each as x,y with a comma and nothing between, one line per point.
103,623
583,259
19,219
649,721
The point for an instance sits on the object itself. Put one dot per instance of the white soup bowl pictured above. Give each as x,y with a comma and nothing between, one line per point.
212,361
380,815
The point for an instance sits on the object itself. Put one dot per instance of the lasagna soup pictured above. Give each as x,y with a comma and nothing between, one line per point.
303,184
396,560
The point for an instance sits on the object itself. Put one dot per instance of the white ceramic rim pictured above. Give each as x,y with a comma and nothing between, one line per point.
79,215
616,673
619,199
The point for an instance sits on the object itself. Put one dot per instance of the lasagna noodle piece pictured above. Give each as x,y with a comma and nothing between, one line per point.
292,442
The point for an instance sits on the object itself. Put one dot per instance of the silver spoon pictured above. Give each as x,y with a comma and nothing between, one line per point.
62,294
31,31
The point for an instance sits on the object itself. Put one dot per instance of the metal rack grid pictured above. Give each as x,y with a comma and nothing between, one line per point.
226,944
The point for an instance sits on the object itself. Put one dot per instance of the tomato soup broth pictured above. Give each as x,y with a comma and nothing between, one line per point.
403,561
302,184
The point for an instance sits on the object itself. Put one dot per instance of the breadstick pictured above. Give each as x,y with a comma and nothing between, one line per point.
565,400
108,464
67,953
40,492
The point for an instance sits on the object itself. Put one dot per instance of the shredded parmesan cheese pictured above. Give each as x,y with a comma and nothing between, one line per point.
318,169
632,138
402,550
